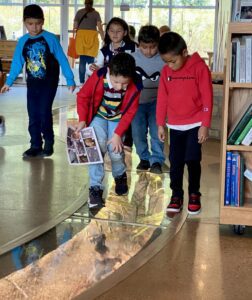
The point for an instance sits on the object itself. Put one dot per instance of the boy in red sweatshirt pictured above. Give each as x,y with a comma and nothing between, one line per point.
108,102
184,104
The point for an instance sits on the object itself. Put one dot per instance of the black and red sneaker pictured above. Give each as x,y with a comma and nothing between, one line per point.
194,205
175,205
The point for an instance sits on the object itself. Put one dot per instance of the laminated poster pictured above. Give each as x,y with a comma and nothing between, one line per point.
83,147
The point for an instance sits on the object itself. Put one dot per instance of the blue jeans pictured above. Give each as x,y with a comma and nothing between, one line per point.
145,119
104,130
84,59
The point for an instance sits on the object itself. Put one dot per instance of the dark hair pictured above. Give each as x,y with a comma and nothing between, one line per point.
171,42
120,22
132,32
33,11
122,64
148,34
89,2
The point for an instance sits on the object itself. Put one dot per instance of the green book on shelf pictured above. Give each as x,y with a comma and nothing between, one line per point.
238,126
244,132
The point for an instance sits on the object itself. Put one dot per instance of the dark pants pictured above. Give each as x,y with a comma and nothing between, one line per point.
184,149
40,96
84,59
128,140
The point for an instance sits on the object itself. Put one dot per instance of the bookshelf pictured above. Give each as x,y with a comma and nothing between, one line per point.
236,96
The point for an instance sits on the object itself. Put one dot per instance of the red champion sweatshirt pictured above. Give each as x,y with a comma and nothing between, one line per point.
185,96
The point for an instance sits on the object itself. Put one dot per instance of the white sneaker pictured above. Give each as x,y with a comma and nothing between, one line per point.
2,126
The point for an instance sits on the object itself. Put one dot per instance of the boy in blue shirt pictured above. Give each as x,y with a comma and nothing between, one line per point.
42,53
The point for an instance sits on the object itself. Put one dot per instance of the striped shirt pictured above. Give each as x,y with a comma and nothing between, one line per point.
111,102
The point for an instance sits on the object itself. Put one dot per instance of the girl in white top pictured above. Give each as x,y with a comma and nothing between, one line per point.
116,40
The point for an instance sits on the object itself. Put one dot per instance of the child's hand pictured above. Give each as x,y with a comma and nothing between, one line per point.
71,88
161,133
117,144
5,88
203,134
80,126
93,67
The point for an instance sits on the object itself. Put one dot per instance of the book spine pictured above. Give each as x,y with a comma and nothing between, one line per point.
244,132
237,181
247,139
248,59
233,11
242,169
243,64
234,179
240,126
238,62
227,198
233,62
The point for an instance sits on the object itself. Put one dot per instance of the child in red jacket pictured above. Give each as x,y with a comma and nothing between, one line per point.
108,102
185,100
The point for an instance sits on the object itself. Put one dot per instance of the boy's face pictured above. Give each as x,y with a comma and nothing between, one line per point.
119,82
148,49
34,26
175,62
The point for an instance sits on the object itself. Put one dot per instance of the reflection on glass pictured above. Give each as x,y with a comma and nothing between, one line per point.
31,252
93,254
121,230
145,203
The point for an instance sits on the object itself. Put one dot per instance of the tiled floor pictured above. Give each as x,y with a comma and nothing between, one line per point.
202,261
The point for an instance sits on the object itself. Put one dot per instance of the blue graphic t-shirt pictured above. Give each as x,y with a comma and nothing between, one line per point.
40,63
42,54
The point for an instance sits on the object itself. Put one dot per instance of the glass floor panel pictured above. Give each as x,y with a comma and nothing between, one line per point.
83,250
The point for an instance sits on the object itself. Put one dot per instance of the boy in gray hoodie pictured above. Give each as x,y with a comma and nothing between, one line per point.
148,66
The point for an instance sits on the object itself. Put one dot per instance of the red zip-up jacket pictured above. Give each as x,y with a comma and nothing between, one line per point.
185,96
89,99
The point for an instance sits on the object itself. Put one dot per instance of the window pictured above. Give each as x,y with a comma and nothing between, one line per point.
193,19
11,18
197,28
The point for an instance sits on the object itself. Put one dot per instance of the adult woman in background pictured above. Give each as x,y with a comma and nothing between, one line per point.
87,22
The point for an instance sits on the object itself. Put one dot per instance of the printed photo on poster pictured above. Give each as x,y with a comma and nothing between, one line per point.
83,147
